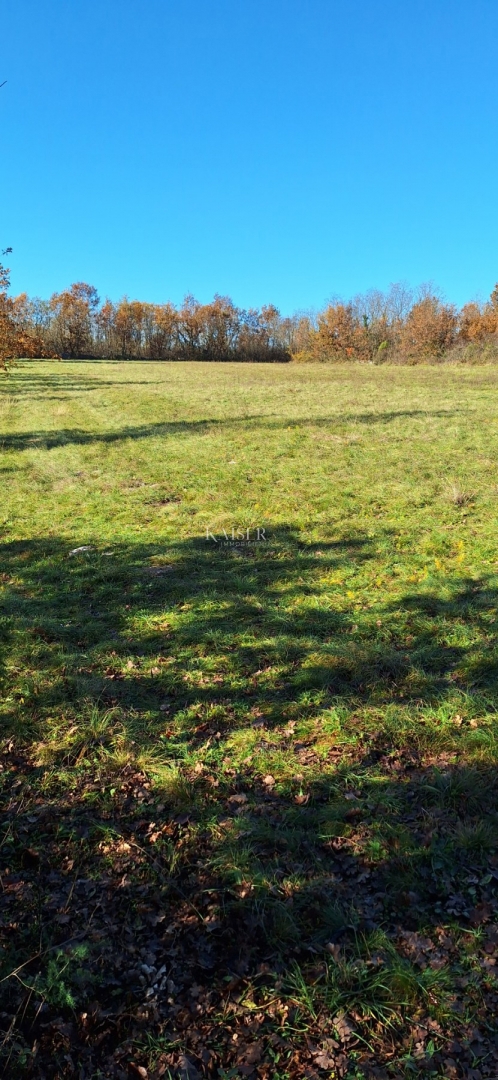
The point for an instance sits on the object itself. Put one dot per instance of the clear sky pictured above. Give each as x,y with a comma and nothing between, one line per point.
271,150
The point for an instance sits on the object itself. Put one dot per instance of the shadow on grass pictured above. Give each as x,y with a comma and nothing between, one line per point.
56,387
222,786
49,440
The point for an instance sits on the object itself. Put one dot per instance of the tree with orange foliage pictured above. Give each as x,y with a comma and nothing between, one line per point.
340,335
430,329
190,327
74,313
104,329
479,321
165,340
129,317
220,322
17,337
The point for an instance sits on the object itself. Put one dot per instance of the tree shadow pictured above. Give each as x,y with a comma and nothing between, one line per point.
50,440
324,806
55,387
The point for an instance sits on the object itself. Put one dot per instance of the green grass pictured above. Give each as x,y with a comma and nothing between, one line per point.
284,751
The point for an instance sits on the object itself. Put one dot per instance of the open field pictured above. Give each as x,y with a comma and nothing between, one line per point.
250,821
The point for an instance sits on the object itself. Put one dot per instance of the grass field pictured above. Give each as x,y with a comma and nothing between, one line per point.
250,821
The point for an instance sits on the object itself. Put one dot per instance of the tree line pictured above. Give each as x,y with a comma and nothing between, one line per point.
400,325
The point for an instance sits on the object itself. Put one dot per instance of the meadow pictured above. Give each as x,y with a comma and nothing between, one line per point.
248,720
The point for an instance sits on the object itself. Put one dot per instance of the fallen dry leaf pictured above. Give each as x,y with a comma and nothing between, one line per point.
188,1071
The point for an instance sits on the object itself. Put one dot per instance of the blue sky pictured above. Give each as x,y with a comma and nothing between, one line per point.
271,150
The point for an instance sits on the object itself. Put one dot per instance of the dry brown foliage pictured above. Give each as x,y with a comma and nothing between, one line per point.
17,337
396,326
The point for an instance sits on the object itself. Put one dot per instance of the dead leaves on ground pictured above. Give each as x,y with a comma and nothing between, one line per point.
174,950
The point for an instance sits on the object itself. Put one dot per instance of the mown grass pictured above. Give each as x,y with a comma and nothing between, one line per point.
288,746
